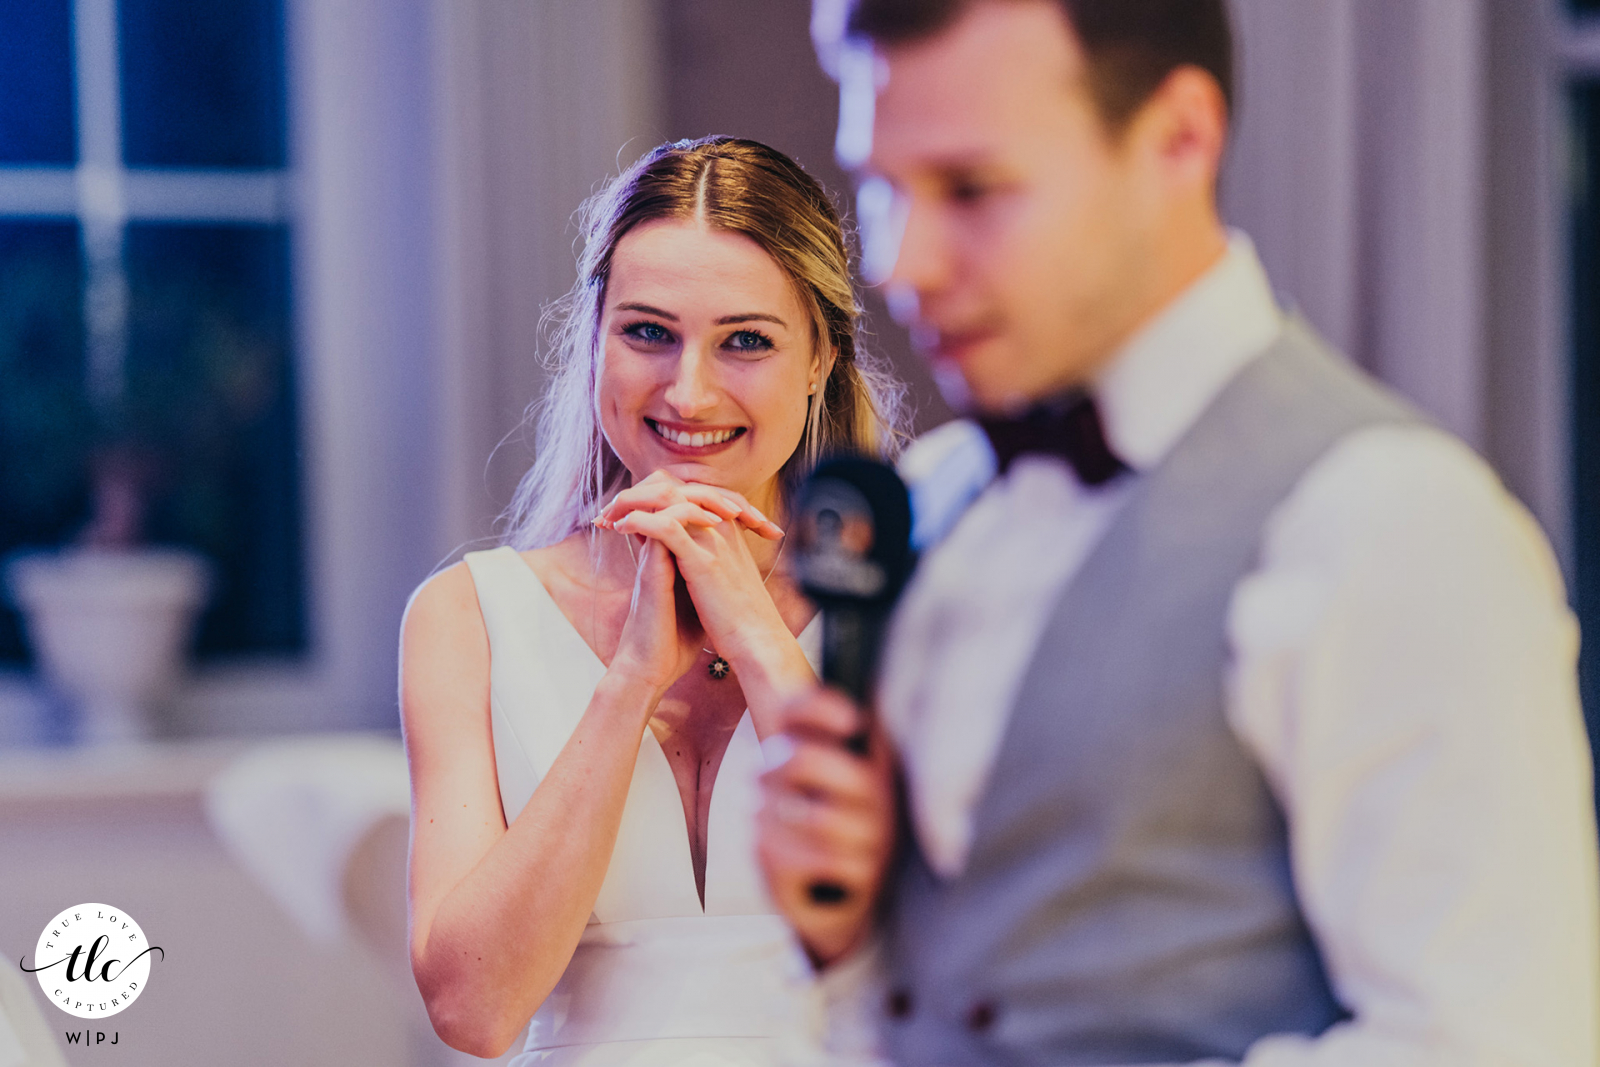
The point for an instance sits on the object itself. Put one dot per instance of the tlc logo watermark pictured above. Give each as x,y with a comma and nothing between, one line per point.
92,961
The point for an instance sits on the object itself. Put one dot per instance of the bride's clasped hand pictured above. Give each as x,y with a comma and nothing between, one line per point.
733,614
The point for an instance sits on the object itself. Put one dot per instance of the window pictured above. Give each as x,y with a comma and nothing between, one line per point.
145,293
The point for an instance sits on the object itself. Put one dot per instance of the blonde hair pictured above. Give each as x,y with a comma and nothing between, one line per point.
728,184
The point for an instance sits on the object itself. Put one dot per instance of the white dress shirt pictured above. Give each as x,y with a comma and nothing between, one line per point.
1402,666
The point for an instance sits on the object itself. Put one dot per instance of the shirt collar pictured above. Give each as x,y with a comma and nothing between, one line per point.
1161,380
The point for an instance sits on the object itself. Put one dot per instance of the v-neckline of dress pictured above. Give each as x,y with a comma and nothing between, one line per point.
651,743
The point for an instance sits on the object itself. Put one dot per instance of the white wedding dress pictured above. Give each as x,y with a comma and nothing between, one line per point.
656,980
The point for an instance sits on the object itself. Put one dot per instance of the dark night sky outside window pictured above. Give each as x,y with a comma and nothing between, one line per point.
202,84
142,152
36,113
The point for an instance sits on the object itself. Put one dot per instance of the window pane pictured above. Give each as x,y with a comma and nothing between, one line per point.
1586,386
44,440
211,388
202,83
36,82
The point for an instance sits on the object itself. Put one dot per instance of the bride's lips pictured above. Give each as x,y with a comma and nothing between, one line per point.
690,440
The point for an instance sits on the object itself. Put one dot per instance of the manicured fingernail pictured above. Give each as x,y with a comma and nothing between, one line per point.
776,751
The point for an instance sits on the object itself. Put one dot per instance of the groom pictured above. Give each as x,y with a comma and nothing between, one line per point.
1234,704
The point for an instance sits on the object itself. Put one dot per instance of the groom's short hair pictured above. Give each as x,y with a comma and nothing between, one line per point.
1131,45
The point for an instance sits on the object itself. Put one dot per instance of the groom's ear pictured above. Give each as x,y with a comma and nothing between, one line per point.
1183,130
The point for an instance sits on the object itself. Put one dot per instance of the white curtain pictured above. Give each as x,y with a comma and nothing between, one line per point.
1394,160
1358,168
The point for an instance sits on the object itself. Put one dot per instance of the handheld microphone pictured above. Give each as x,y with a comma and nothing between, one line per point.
852,529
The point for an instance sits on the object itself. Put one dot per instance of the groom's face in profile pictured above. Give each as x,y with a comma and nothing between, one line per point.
1026,218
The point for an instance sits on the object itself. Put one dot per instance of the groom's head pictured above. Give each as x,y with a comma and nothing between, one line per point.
1052,164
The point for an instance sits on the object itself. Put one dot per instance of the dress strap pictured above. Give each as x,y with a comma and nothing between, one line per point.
541,672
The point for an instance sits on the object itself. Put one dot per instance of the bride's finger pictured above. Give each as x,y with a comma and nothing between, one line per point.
737,507
661,490
749,515
658,525
659,497
648,497
663,527
682,513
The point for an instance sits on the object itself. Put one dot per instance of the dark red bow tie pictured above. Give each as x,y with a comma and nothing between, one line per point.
1069,427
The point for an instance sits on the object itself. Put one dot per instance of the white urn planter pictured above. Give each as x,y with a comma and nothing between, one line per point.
110,630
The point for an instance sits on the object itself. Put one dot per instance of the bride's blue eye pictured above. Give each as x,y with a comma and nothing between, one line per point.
749,341
651,333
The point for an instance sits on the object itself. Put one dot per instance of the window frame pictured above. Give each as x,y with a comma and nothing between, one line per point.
355,194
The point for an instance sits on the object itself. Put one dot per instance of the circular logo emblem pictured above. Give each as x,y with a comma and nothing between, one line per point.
92,960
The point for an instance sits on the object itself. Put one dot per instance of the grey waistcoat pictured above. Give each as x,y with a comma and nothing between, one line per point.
1128,898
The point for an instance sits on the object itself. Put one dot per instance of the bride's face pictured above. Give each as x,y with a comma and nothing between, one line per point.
708,358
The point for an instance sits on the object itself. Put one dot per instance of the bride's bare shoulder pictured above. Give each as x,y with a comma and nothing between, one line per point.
443,609
565,566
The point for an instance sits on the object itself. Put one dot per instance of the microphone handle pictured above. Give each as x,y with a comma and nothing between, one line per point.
851,637
845,653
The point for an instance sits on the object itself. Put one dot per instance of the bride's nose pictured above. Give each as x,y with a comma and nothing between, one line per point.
692,390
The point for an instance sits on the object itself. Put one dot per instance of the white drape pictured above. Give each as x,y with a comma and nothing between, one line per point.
1393,160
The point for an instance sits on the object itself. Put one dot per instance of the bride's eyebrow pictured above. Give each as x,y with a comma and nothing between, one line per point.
646,309
754,316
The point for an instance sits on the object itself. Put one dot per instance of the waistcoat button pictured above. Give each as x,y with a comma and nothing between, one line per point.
981,1016
898,1004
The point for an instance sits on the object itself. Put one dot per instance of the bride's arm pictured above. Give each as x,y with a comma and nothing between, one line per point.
496,913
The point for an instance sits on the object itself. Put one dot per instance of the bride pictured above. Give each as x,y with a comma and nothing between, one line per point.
583,706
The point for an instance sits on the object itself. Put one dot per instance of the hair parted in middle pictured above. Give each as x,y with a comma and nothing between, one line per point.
729,184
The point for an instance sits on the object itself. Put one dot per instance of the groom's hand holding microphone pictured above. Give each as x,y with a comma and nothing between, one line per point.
828,821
